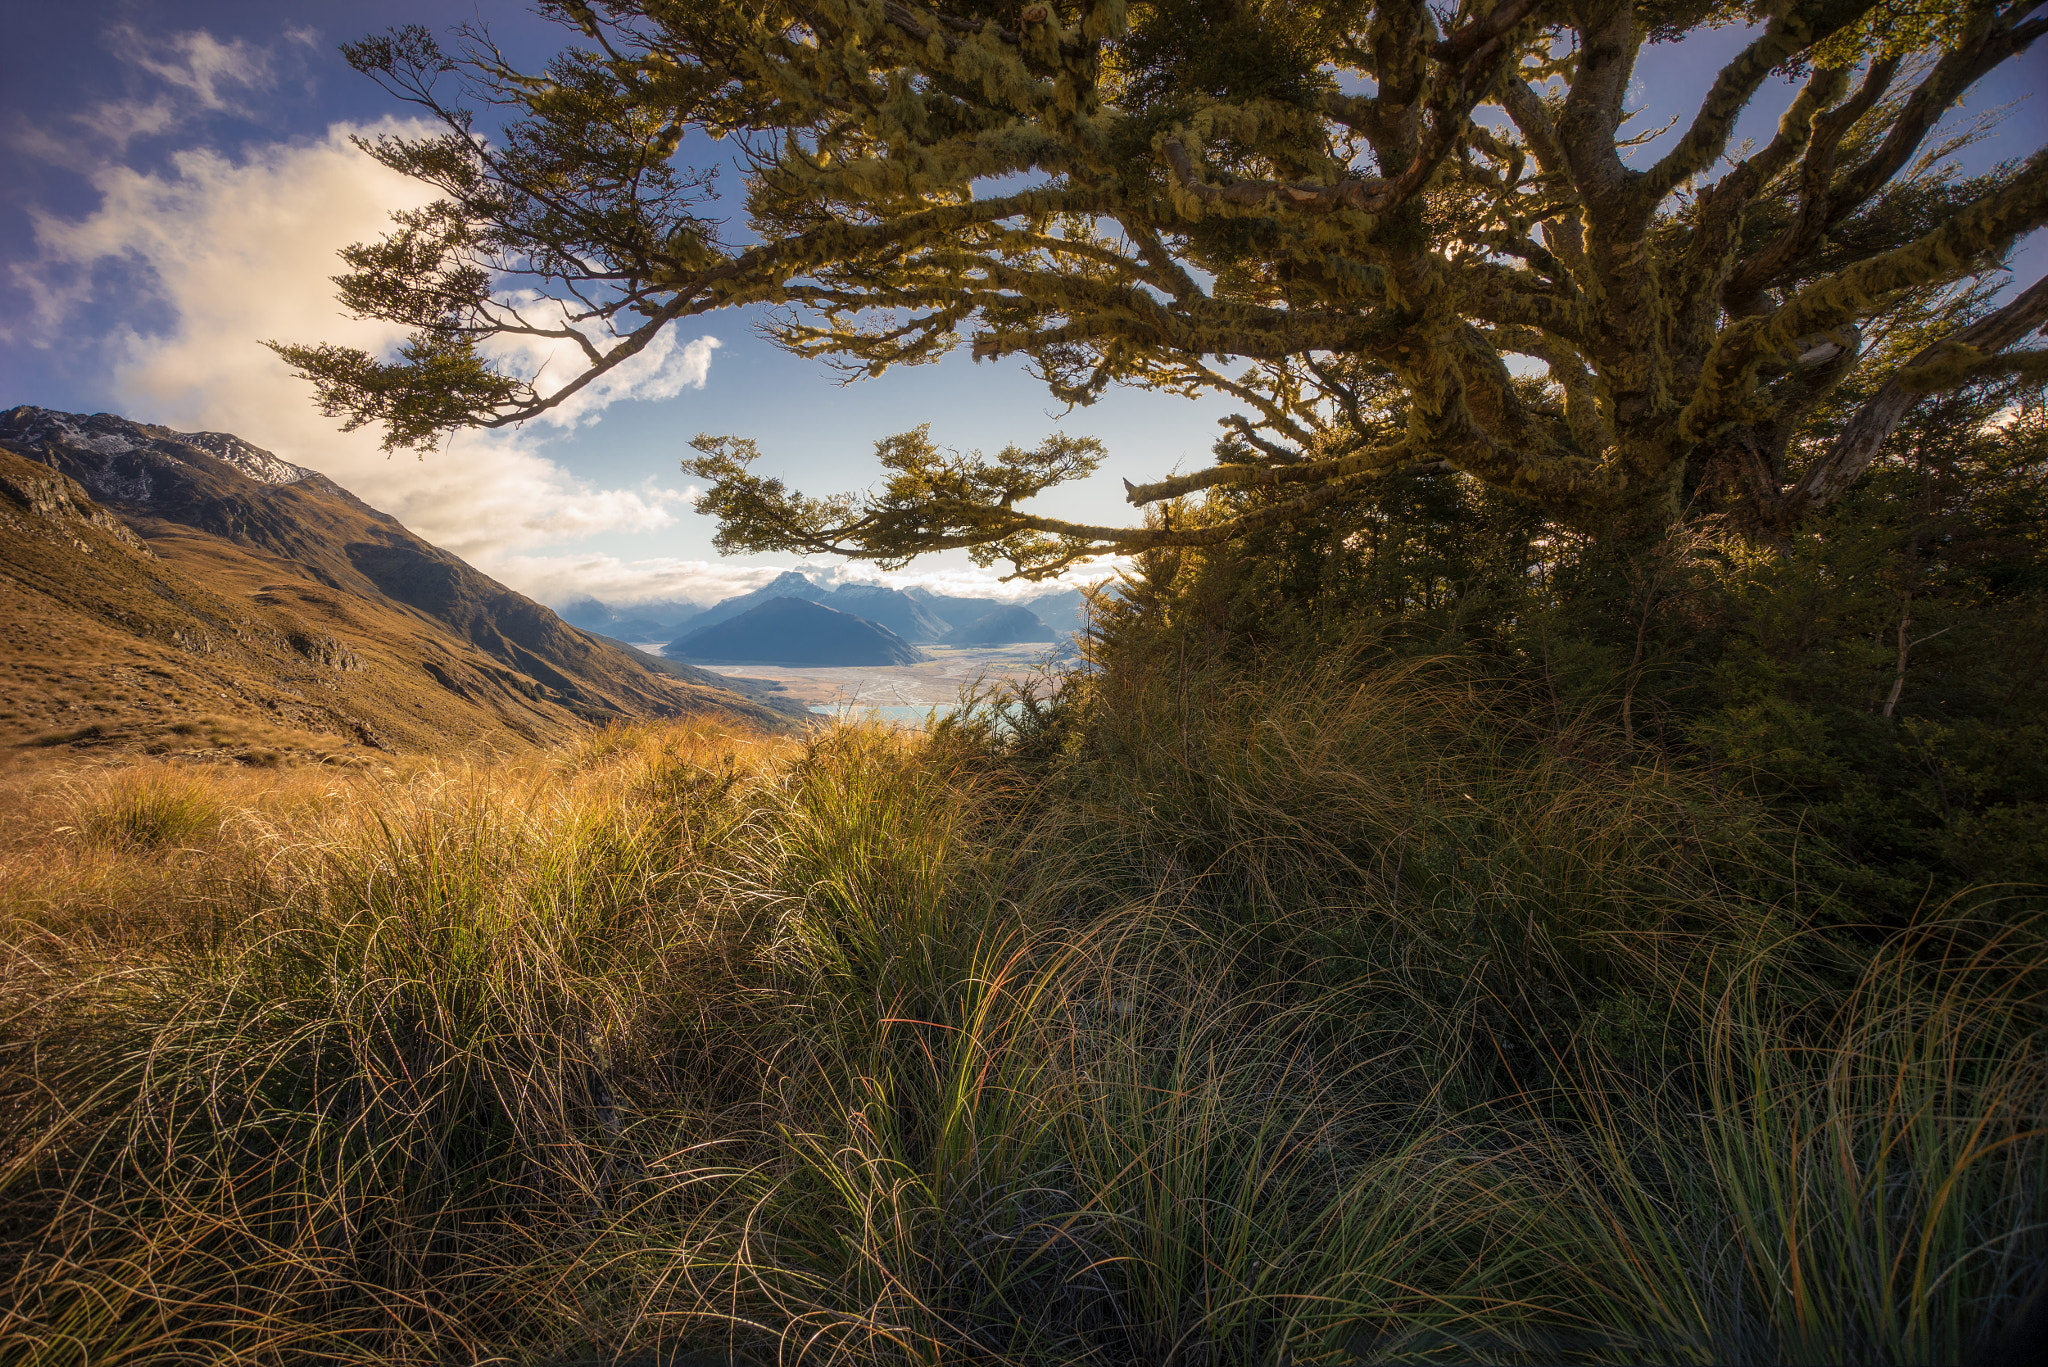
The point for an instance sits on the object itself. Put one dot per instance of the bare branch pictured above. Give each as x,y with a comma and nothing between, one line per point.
1858,445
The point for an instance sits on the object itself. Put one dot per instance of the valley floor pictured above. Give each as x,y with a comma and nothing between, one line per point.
902,688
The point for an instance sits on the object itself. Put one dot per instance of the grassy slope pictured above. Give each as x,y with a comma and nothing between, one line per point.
270,644
1293,1017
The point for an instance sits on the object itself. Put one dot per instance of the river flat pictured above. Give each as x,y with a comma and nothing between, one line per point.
901,693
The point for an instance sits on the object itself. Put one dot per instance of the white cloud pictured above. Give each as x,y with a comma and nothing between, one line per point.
622,583
191,74
239,249
662,369
559,578
196,63
122,121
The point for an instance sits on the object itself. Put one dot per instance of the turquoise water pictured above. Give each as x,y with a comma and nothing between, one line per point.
901,714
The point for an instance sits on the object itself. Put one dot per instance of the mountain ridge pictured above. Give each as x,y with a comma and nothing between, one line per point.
1008,624
275,597
797,632
916,614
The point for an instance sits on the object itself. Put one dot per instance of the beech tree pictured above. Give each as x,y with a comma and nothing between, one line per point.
1348,216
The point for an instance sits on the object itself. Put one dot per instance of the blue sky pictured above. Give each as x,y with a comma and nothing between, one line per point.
179,180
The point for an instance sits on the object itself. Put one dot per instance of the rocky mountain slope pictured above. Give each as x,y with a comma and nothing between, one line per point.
189,591
794,631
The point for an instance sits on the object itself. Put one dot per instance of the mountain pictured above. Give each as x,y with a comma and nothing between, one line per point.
191,592
645,629
657,620
1006,626
918,615
587,613
1063,609
884,606
952,610
796,632
788,584
889,607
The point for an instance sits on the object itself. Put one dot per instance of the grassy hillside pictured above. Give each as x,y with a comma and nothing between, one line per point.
1201,1017
190,609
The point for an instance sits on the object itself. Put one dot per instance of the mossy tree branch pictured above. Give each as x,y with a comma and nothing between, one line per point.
1191,195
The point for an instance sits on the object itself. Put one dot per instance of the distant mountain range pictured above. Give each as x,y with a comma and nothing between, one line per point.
915,616
1063,609
899,612
1005,626
190,592
653,621
794,631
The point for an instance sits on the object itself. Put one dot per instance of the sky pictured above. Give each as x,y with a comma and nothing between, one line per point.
181,178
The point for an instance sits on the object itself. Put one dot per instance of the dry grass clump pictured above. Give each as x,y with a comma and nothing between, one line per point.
147,811
1376,1024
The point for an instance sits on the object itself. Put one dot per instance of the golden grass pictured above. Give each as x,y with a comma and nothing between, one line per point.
1375,1023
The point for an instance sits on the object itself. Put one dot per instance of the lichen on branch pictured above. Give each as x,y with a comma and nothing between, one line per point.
1308,209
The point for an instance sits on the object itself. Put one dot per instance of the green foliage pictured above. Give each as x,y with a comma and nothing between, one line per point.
1293,205
1183,54
1925,765
934,500
435,385
1877,676
1425,556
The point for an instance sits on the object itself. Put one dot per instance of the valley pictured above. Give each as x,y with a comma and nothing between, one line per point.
901,693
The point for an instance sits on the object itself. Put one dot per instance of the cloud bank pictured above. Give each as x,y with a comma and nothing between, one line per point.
623,583
218,252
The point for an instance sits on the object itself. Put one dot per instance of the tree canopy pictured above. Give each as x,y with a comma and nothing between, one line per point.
1396,235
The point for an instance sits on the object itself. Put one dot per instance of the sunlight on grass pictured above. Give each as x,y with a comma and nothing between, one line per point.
1378,1026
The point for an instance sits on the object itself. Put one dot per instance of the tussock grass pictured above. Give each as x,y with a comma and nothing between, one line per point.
148,811
1296,1018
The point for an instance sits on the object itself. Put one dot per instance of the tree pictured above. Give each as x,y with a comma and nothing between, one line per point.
1348,215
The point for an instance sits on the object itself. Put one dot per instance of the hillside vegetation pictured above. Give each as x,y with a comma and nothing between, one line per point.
1541,860
1339,1007
1431,935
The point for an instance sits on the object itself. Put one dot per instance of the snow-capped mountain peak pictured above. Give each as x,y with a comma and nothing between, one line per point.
108,435
253,461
